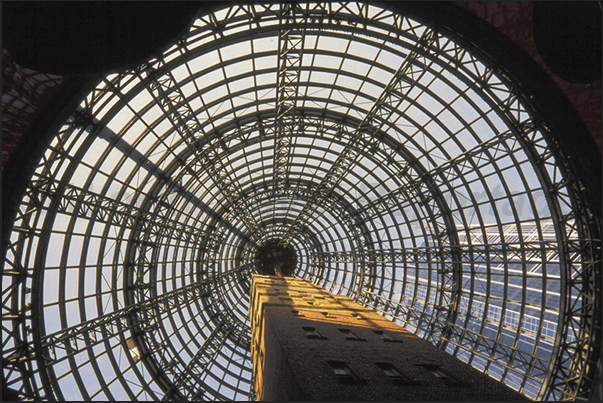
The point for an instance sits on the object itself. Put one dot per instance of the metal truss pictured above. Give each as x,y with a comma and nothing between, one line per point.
401,83
291,43
404,166
169,96
387,102
581,272
61,345
468,161
82,203
359,235
181,380
203,359
20,357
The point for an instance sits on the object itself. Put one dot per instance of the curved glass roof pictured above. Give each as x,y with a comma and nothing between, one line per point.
405,169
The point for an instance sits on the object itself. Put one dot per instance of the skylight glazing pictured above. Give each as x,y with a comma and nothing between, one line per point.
404,168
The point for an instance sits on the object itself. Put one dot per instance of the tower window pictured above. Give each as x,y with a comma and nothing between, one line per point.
349,335
442,375
394,374
343,373
385,337
312,333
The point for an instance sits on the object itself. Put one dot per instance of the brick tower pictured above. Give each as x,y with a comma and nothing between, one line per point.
308,344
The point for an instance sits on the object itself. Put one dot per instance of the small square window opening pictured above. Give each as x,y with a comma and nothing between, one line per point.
394,374
385,337
312,333
349,335
343,373
442,375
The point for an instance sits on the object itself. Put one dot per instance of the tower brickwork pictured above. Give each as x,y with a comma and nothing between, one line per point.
309,344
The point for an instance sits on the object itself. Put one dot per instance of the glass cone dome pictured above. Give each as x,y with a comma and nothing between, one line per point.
378,154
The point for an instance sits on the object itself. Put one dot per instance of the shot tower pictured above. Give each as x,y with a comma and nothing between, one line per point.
309,344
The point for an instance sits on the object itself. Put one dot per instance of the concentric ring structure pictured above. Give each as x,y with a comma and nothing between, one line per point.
396,160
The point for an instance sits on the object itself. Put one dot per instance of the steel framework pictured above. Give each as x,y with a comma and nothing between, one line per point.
406,168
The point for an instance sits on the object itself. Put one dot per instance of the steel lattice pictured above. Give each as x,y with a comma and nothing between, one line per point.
402,165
